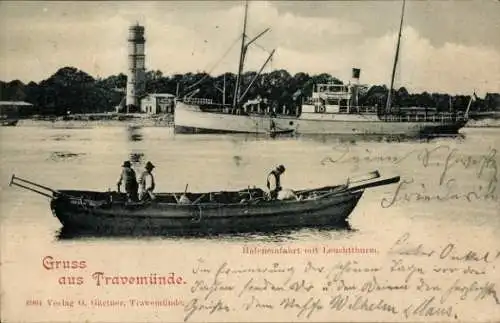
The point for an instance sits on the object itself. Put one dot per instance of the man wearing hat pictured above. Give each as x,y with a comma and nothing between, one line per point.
147,183
127,177
273,181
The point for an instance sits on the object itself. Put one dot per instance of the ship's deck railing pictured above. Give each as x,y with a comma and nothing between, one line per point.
359,109
404,115
332,88
438,117
198,101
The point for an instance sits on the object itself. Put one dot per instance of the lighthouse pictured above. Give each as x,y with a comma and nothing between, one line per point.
136,67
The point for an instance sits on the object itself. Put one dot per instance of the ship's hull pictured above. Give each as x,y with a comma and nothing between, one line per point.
191,119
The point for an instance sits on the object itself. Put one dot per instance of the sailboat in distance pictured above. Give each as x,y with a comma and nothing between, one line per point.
332,109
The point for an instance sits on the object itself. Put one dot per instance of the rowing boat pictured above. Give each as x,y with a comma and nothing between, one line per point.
9,123
246,210
274,132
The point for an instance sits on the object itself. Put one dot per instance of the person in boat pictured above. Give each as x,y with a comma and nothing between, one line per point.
147,183
272,126
274,109
129,180
274,181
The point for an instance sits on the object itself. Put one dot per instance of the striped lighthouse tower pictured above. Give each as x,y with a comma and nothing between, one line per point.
136,66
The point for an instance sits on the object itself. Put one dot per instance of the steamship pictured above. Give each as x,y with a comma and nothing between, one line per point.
332,109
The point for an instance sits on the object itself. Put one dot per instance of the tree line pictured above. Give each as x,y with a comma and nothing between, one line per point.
74,91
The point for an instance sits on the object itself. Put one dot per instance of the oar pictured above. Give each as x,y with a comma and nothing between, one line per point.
185,191
337,190
199,198
363,177
356,179
31,189
386,181
344,189
13,178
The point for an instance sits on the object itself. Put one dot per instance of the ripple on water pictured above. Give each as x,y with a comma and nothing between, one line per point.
65,155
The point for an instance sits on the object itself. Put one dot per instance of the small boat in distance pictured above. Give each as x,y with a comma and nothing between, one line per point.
332,109
246,210
9,122
275,132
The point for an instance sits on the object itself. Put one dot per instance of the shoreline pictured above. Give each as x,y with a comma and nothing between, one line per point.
483,123
98,120
159,120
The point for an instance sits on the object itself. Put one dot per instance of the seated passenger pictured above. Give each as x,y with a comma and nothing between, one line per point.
147,183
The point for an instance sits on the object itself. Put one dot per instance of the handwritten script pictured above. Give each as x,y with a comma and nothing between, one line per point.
446,173
412,282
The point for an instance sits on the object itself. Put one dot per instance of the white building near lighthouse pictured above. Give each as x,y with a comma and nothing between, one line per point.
155,103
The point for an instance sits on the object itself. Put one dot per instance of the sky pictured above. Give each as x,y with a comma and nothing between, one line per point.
446,46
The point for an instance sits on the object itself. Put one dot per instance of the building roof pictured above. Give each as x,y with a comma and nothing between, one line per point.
254,101
16,103
161,95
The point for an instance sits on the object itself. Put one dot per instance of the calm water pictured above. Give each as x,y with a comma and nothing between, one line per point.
91,159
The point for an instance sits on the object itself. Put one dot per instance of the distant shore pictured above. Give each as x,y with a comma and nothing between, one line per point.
98,120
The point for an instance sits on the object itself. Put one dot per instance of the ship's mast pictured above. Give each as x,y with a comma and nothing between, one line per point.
389,96
257,75
242,59
224,92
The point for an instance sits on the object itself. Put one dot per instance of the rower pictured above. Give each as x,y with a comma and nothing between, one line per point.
274,181
127,177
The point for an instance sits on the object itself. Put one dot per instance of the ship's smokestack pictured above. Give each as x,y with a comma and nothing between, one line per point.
355,74
354,87
136,66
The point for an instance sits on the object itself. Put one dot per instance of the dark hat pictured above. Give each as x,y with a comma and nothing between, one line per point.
149,165
126,164
280,168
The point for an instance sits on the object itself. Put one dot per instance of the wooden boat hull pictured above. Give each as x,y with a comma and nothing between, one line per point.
246,210
154,217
